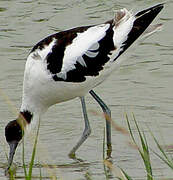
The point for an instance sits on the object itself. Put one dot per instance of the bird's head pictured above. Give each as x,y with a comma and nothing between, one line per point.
13,134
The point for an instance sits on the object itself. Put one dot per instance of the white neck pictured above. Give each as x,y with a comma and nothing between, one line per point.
35,108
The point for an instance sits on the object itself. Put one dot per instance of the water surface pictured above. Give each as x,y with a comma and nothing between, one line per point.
142,85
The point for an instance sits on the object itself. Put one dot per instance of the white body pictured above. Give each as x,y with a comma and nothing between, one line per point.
40,91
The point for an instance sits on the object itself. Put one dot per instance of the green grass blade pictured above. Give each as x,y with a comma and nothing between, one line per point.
161,149
169,163
132,136
130,129
145,152
33,153
126,175
11,175
147,158
164,157
23,160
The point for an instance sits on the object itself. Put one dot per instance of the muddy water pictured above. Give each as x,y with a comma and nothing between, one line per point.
143,85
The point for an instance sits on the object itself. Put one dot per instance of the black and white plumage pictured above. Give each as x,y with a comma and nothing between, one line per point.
70,64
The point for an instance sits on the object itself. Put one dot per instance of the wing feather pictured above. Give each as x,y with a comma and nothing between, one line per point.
85,43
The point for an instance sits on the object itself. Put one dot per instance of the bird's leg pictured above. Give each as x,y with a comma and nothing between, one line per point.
86,132
107,112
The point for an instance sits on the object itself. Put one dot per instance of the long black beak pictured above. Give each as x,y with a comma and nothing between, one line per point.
13,146
143,20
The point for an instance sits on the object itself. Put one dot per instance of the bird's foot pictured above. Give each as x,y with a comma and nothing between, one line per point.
11,171
73,156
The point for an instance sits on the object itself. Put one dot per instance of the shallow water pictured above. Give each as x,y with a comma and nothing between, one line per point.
142,85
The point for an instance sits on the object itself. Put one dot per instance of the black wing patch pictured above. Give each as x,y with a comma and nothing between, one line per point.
94,60
55,57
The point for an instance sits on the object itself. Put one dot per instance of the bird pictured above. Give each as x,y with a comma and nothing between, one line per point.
70,64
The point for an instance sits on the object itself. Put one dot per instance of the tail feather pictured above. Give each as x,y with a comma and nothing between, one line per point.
139,25
152,29
157,8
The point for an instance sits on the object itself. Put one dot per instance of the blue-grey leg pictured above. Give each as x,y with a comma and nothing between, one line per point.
107,112
86,132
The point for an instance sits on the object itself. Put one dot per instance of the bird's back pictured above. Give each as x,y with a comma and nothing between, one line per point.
72,62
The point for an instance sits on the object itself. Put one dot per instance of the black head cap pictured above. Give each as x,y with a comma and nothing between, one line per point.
13,134
13,131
